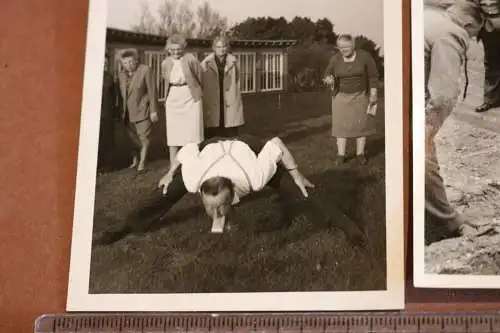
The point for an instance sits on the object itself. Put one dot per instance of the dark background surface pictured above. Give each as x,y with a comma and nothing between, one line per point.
41,70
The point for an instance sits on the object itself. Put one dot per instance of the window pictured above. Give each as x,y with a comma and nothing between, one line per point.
264,70
154,60
246,61
271,71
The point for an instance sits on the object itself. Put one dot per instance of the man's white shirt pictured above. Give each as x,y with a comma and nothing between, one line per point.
232,159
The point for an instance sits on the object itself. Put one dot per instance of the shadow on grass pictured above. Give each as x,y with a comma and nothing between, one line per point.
263,115
334,203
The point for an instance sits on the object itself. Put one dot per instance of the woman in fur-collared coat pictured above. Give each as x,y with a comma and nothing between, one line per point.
222,102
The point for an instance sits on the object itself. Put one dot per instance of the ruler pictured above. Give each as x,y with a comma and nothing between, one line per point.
395,322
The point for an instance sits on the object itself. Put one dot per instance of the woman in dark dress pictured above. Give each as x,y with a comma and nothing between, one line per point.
354,77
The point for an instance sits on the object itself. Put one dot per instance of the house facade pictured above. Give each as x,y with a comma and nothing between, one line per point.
263,63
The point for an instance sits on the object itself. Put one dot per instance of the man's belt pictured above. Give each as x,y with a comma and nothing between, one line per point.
178,84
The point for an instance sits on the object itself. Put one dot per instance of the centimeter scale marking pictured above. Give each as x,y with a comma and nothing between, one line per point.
269,323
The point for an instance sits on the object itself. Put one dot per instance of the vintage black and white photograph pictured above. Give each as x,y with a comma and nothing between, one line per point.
240,156
457,157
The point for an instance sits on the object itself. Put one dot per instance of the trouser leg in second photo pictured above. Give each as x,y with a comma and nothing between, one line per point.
441,219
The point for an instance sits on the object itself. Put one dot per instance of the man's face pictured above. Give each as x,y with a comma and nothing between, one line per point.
217,205
129,64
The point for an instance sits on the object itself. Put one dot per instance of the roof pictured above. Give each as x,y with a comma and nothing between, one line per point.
131,37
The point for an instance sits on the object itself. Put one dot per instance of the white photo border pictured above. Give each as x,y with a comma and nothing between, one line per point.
420,278
80,300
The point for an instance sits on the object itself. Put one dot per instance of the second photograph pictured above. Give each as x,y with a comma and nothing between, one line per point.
456,123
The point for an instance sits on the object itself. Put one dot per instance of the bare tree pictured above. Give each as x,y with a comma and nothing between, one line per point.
166,13
185,19
174,17
147,22
210,22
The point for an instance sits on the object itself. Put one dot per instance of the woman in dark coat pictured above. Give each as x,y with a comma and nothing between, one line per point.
354,77
108,115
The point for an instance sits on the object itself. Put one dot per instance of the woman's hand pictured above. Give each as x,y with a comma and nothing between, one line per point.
203,64
373,98
329,80
372,110
154,117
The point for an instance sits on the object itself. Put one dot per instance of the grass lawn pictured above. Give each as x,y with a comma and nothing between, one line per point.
183,256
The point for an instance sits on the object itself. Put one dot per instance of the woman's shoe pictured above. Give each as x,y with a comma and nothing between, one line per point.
484,107
134,163
361,159
339,160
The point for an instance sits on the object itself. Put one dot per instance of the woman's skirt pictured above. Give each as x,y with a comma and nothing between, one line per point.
184,117
349,116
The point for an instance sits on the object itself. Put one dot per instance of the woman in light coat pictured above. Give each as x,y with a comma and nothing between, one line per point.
183,104
222,102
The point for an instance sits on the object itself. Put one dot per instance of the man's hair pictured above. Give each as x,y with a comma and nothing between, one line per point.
129,53
466,12
215,185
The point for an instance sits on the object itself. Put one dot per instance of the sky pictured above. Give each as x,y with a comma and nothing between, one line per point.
348,16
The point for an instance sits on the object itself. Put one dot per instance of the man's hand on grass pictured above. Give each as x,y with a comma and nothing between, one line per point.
164,182
302,182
